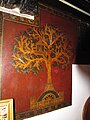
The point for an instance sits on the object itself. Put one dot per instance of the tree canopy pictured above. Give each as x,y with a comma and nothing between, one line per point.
41,44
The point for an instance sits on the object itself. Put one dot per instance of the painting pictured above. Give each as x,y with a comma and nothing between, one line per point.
6,110
36,61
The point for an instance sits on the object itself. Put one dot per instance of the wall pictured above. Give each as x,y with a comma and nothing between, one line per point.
80,92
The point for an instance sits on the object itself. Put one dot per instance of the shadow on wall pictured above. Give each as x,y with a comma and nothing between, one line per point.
83,48
85,69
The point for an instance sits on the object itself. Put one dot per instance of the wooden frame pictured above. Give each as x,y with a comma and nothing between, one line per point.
85,114
6,109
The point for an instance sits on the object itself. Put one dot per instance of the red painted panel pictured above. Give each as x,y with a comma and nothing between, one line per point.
21,86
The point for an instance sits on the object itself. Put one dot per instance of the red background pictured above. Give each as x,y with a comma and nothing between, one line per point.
22,86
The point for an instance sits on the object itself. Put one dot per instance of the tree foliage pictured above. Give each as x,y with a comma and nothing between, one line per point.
37,45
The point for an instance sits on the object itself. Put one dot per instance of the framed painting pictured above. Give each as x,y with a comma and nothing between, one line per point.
36,61
6,110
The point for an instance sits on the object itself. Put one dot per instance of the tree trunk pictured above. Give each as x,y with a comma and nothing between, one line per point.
49,84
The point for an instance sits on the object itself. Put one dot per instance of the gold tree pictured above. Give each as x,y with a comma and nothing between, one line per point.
42,45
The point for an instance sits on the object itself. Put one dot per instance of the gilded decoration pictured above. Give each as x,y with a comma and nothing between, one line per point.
42,45
22,20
